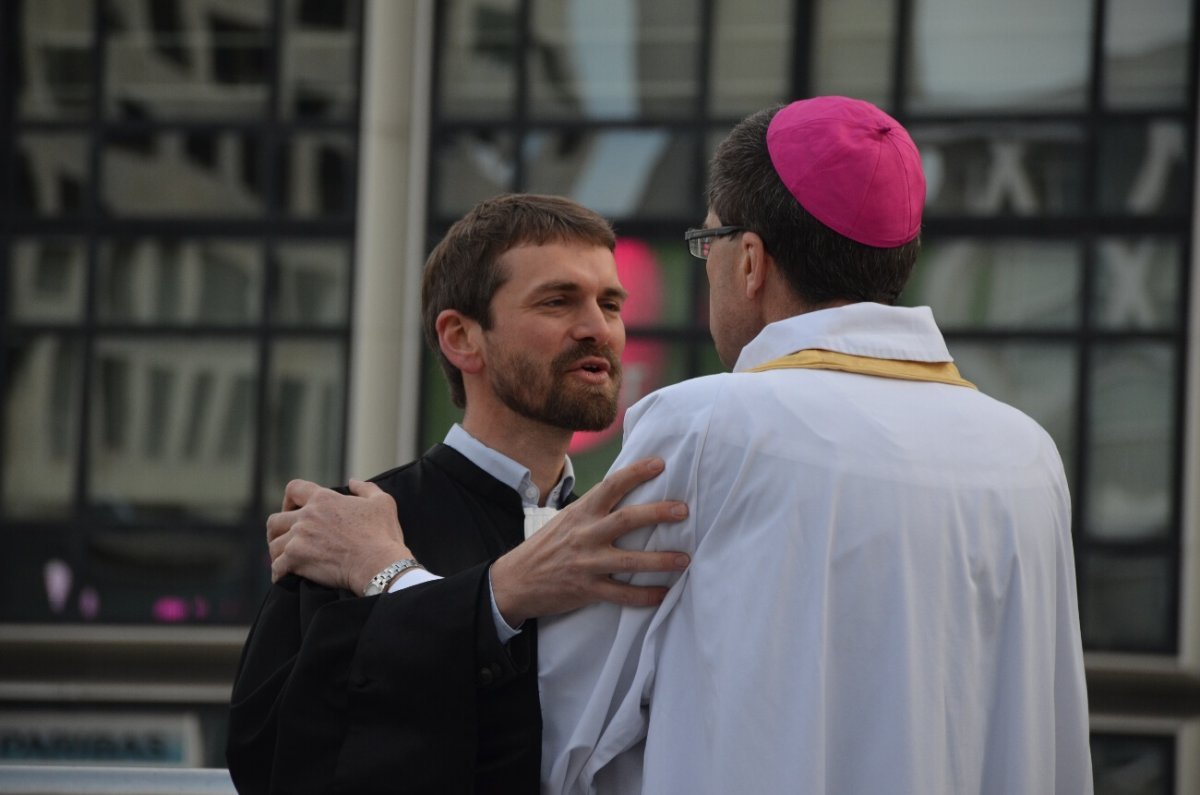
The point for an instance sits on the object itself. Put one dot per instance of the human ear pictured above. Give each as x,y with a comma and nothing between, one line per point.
754,263
459,339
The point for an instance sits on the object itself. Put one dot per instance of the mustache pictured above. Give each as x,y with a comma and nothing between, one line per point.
583,350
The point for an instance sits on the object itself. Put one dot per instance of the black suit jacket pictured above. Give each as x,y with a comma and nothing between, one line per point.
404,692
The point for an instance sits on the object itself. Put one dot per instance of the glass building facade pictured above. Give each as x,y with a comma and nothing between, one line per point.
179,210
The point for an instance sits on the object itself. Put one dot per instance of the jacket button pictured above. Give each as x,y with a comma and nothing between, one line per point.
486,677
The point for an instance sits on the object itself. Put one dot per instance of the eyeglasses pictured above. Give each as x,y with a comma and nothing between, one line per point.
700,240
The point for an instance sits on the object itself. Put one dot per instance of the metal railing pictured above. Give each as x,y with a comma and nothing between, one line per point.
72,780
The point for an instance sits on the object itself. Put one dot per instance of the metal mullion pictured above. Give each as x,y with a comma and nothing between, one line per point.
1081,544
92,227
274,202
700,129
9,16
900,60
804,31
520,127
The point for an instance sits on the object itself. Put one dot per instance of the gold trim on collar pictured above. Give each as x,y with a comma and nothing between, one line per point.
817,359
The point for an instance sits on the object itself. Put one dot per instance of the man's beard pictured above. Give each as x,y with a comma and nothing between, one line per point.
547,395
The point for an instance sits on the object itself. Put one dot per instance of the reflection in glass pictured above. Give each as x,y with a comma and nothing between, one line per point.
187,59
478,59
752,56
1137,283
673,271
1144,168
1002,169
179,281
305,426
51,174
988,56
619,59
1131,441
54,78
998,283
617,173
1128,602
319,77
41,431
311,284
1146,53
209,174
317,175
854,44
1037,378
46,281
173,428
1134,764
473,166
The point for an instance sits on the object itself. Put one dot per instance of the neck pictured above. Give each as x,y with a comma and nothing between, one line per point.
540,447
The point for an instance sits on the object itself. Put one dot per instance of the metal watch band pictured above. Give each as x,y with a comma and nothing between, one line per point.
381,580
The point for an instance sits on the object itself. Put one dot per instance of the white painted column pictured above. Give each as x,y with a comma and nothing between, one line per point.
385,356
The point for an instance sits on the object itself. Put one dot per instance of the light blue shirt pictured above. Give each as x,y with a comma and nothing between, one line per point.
514,475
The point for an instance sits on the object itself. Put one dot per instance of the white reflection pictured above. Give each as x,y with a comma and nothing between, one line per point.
602,47
977,54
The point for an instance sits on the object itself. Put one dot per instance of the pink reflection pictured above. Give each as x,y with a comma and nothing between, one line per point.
171,609
640,274
89,603
57,576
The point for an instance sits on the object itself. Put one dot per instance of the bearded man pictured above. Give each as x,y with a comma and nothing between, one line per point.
429,683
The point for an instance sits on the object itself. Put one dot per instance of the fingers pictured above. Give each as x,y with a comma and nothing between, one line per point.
609,491
629,595
630,517
363,488
297,493
280,523
629,562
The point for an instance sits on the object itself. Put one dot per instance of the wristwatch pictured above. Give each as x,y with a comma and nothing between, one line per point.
384,578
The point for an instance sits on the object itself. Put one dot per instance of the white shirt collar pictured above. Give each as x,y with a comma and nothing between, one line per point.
863,329
510,472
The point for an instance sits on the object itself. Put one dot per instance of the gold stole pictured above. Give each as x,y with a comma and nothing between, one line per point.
817,359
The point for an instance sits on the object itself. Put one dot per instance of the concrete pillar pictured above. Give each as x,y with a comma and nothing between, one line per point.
385,358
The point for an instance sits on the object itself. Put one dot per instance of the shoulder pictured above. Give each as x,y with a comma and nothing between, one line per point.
681,401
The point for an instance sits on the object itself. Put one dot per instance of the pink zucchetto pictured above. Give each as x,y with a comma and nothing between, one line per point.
852,167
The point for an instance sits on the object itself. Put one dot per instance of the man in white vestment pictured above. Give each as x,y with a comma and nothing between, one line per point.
881,597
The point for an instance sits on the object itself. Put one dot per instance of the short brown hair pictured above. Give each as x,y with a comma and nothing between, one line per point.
820,265
462,272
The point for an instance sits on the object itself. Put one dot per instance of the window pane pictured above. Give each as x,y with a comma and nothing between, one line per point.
618,173
1037,378
43,376
855,44
1144,168
173,429
319,70
1138,283
1130,764
752,55
312,284
317,175
46,281
179,281
1006,284
55,76
187,59
972,56
51,174
305,422
1128,602
210,174
473,166
1131,441
614,60
1146,53
478,58
661,278
1001,169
